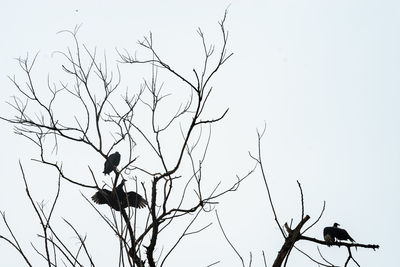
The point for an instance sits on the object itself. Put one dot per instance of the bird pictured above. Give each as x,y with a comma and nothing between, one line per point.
119,199
329,235
112,162
342,234
334,233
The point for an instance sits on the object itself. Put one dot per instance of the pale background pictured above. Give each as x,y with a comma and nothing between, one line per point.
323,76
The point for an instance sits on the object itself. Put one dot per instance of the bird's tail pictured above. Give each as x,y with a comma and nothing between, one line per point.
142,203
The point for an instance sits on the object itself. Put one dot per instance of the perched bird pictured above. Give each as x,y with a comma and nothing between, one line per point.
119,199
111,162
342,234
329,235
332,234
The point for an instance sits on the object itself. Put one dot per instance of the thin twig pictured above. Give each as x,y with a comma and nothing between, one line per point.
227,239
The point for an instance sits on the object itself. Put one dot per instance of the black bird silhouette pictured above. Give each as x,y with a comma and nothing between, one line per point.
332,234
111,162
118,199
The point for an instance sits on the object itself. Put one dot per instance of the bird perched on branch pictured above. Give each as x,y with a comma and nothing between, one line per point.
119,199
111,163
332,234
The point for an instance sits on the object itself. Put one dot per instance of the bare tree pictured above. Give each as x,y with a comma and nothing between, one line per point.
292,233
105,118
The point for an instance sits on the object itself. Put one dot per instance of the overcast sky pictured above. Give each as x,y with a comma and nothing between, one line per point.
322,75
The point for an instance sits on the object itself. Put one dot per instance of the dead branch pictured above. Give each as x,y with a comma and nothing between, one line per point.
227,239
290,240
14,242
259,161
339,244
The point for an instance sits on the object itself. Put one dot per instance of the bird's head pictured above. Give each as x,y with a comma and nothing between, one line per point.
336,225
122,183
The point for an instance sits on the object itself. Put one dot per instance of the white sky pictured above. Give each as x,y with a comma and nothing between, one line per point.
323,76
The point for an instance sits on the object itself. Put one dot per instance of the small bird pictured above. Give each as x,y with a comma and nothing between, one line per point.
332,234
118,199
112,162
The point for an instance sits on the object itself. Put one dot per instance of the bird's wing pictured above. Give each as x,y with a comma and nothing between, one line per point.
107,167
115,159
343,235
102,196
136,200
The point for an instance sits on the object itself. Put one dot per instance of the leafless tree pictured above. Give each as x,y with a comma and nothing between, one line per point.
293,233
106,117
